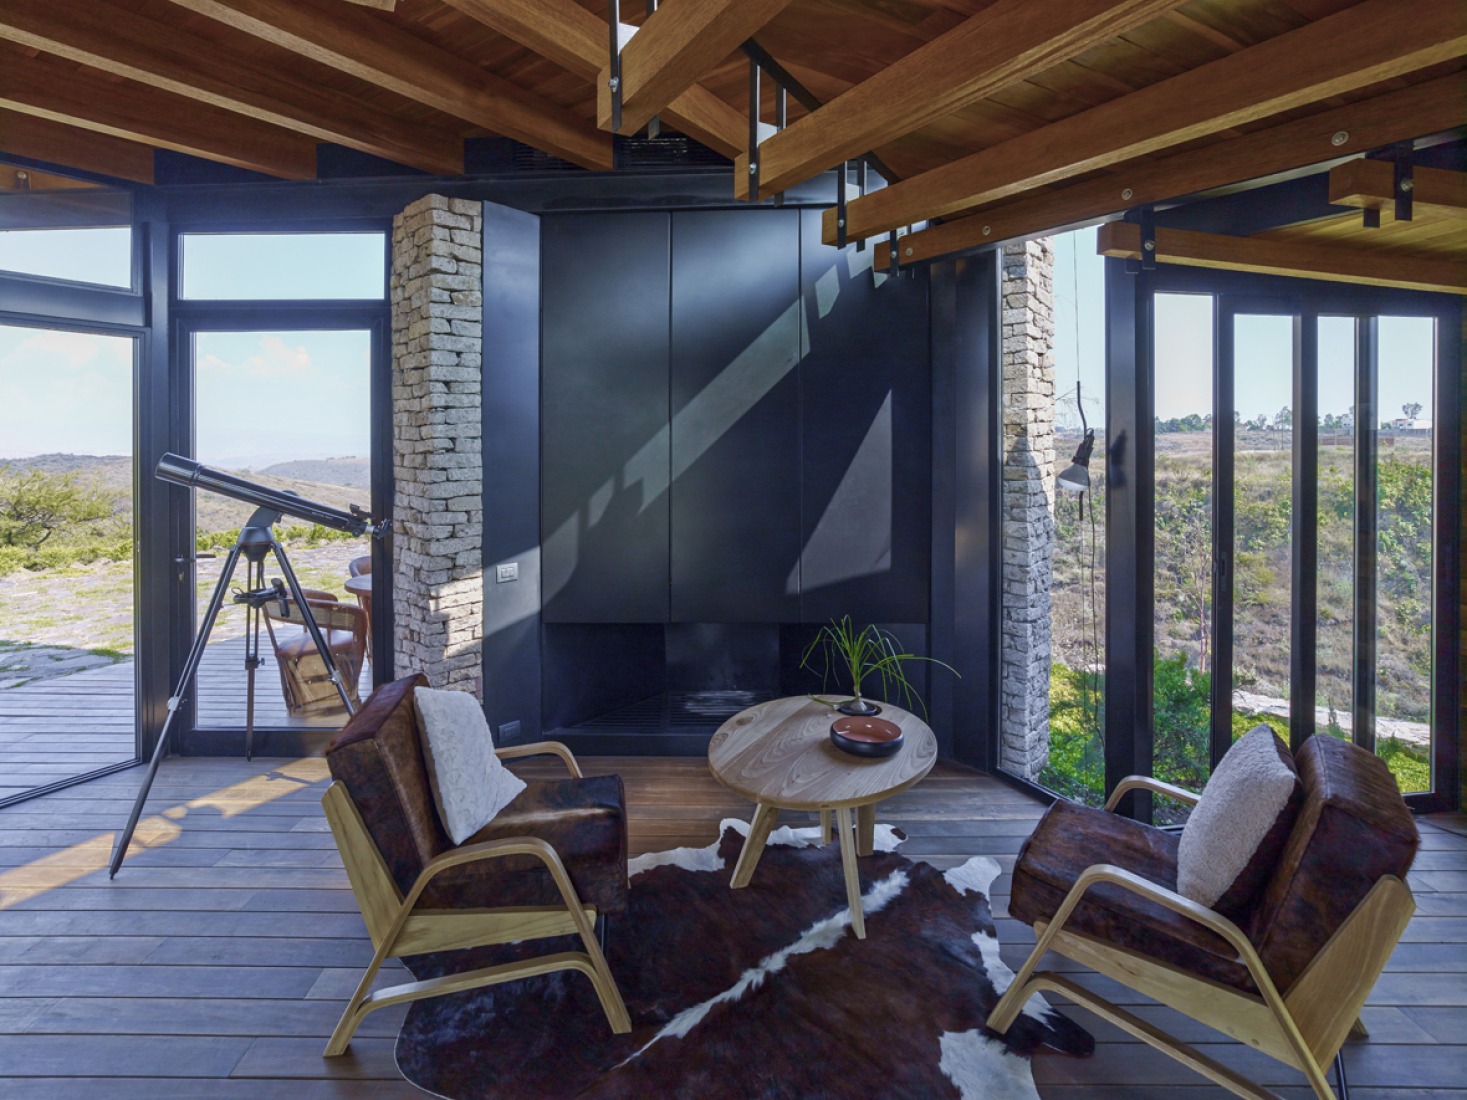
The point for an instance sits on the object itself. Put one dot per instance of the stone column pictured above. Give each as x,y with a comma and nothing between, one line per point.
1028,504
437,451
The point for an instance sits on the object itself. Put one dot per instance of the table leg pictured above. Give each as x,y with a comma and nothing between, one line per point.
825,834
759,830
866,829
848,862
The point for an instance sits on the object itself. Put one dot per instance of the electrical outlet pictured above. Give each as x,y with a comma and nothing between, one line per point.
509,571
509,731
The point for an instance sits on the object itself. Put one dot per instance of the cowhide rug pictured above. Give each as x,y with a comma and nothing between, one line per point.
760,992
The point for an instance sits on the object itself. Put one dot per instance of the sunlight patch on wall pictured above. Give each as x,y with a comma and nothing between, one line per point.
853,537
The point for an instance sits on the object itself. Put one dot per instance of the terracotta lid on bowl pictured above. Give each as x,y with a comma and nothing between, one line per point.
876,731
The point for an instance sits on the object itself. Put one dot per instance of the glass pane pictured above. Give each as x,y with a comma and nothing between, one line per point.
1335,642
281,266
1404,547
1262,520
61,228
66,555
1182,672
1076,767
308,431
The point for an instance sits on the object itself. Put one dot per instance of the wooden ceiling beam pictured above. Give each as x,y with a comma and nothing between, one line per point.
1002,45
58,143
49,88
1367,124
1371,185
119,42
680,42
1340,53
368,47
567,34
1296,259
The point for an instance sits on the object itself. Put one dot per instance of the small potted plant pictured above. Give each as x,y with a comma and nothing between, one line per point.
865,654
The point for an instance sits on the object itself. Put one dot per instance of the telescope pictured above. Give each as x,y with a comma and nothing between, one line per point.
256,542
178,470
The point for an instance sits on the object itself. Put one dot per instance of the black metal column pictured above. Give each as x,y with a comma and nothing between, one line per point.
1367,427
1130,550
1304,613
1224,446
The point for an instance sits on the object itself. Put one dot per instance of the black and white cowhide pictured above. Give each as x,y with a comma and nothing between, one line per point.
761,992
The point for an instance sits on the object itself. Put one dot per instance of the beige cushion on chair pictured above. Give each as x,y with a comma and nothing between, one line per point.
1236,832
470,784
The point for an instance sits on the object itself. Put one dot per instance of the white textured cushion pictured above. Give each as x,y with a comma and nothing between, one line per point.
470,784
1237,831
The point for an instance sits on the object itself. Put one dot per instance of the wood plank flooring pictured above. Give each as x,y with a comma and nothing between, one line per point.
71,725
217,962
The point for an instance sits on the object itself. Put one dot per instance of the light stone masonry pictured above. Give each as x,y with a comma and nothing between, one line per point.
1028,504
437,347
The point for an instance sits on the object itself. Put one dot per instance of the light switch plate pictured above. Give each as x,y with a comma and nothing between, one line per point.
509,571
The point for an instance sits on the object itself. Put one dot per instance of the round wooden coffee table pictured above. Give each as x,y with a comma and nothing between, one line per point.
779,755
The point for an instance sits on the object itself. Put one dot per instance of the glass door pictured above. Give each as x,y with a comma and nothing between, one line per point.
68,701
289,409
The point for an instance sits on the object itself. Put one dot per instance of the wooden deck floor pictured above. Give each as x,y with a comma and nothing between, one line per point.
218,960
71,725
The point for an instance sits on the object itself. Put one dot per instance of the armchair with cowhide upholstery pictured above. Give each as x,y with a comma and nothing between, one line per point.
1288,976
551,863
308,690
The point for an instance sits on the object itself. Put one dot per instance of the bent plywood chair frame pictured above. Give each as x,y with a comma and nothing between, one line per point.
398,927
1303,1028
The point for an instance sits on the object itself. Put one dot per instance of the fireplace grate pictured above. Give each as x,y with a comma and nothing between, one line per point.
676,712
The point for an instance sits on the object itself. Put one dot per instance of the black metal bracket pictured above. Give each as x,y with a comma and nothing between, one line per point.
781,110
614,23
1146,218
895,267
861,189
1371,217
654,124
1405,185
840,204
753,131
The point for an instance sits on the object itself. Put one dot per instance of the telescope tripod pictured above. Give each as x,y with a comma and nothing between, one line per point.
256,541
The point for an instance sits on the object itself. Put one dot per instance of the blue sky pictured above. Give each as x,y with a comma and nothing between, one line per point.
1184,349
262,397
71,392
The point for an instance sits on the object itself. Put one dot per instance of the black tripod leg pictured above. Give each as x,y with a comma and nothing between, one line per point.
332,673
255,574
190,670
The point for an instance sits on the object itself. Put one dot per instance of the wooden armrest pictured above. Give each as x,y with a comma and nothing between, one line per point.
1147,783
1210,919
539,748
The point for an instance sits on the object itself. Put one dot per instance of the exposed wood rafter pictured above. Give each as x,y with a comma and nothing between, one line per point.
1371,185
58,143
1333,263
52,89
567,34
1382,120
1002,45
367,46
118,42
1340,53
680,42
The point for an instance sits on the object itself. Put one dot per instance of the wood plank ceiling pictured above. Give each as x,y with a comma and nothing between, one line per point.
1000,118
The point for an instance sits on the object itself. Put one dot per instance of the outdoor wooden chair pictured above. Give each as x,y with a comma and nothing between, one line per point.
1289,977
303,681
551,863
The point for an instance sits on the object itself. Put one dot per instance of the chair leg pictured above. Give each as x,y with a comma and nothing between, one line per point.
350,1019
606,988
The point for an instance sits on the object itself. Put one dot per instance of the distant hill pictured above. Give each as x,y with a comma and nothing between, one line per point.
350,473
336,481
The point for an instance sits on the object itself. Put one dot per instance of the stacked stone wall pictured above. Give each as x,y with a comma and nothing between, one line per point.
1028,504
437,349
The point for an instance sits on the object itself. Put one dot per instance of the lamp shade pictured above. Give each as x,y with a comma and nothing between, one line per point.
1076,478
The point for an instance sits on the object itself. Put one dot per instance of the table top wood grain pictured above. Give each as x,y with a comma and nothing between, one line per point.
779,753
